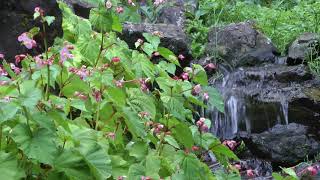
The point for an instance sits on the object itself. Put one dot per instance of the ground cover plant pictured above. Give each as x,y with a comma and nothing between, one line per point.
91,108
281,21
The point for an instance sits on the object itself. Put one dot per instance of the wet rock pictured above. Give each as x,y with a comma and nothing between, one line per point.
241,45
173,37
16,17
173,14
258,98
284,145
305,46
80,8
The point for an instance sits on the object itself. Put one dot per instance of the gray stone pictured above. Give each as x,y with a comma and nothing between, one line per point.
241,45
304,47
173,37
283,144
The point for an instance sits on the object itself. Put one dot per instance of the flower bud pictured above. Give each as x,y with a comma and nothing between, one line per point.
196,90
116,60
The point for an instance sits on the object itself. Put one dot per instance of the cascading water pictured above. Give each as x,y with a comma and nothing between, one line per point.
242,113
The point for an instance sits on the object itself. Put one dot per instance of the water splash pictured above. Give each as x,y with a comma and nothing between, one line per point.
285,110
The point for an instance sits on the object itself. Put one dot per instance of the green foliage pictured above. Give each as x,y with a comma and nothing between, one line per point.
282,21
103,112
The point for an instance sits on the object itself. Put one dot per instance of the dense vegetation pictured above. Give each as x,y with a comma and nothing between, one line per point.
280,20
90,107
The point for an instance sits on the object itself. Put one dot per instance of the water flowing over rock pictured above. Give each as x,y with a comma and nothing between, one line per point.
241,45
266,96
304,47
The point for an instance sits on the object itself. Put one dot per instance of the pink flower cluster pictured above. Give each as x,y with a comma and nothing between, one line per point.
196,90
1,56
15,69
202,126
158,2
83,72
27,41
231,144
143,85
19,58
3,72
41,62
65,54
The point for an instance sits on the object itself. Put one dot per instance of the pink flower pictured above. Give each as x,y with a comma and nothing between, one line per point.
119,10
210,66
19,58
1,56
83,72
131,2
143,85
97,95
206,96
115,60
195,148
3,72
181,57
185,76
80,96
196,90
158,2
312,170
7,99
26,41
156,54
3,83
108,4
143,114
65,54
250,173
204,128
145,178
119,83
111,135
15,69
231,144
39,10
201,125
237,166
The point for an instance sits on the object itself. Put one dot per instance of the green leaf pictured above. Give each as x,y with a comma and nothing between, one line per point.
290,172
101,19
141,102
38,145
72,164
116,24
222,153
168,55
148,49
215,99
98,161
9,167
153,166
169,67
49,19
191,168
117,96
30,95
135,125
183,134
136,171
152,39
169,139
138,149
8,111
200,75
89,48
142,65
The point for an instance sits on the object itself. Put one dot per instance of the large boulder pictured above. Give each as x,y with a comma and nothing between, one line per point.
172,36
284,145
241,45
16,17
304,47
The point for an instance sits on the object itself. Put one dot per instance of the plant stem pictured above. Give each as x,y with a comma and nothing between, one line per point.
98,116
0,137
101,49
47,57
